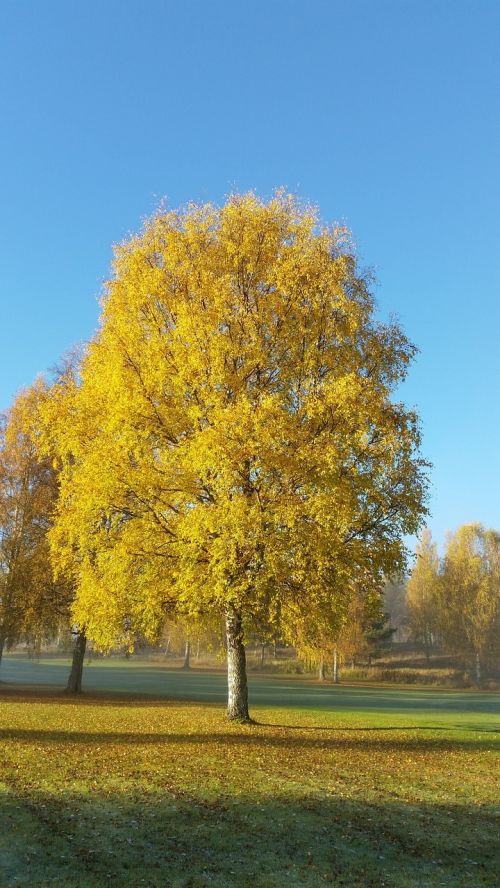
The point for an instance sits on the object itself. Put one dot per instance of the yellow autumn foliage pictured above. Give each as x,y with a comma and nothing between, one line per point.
31,603
233,442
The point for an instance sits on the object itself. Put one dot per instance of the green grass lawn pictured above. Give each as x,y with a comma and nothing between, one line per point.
348,786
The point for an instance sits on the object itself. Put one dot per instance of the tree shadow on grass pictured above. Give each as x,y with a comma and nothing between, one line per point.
329,740
47,694
178,840
367,729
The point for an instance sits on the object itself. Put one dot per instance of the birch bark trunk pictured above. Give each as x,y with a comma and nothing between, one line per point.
237,689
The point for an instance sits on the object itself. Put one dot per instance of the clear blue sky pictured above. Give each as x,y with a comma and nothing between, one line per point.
385,113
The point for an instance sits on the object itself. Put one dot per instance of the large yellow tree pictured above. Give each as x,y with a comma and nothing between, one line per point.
234,446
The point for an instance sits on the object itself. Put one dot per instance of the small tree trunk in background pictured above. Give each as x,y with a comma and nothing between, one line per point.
478,668
74,685
321,671
2,645
335,666
237,690
198,650
187,655
427,647
262,653
167,646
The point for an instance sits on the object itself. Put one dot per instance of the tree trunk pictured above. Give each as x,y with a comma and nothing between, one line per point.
2,645
321,671
74,685
262,653
478,668
237,690
335,666
187,655
427,647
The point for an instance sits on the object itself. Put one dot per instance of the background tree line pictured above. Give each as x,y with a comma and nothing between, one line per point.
454,602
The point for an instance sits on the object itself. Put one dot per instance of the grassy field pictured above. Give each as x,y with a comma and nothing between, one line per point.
346,786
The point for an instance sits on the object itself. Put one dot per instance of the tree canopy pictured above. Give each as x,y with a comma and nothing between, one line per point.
234,445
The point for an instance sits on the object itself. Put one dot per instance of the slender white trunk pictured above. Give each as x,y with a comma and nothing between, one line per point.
478,668
335,666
